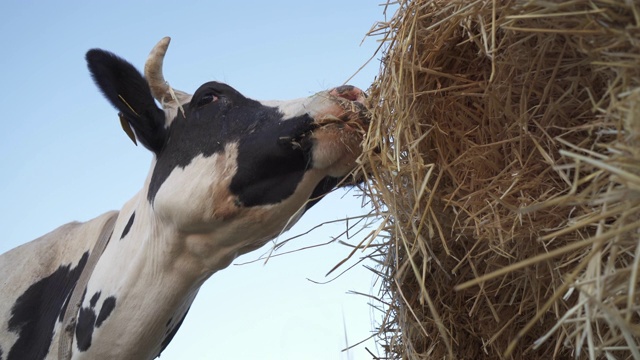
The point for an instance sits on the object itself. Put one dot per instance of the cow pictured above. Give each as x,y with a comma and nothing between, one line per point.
228,174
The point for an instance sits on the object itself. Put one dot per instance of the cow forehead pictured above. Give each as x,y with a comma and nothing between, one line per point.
291,108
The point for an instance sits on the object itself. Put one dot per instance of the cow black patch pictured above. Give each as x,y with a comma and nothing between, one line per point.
84,328
94,299
107,307
171,332
270,168
272,153
88,321
128,226
34,314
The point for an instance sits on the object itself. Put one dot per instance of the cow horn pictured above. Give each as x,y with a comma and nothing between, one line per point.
153,70
160,88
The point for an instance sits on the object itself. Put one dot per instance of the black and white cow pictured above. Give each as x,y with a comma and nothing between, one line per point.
229,174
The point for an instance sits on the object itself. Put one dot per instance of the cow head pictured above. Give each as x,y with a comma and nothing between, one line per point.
227,164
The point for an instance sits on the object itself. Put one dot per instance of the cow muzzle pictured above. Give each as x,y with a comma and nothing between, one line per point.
347,109
342,126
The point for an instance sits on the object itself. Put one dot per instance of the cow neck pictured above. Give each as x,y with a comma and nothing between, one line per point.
144,272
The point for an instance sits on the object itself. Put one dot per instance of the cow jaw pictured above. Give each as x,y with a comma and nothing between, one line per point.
212,228
206,200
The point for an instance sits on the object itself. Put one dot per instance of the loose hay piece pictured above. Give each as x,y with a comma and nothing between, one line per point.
504,157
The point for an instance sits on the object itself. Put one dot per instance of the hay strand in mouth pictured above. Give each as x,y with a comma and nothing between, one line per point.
503,153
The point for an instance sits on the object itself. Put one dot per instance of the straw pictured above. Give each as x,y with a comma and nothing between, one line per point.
503,153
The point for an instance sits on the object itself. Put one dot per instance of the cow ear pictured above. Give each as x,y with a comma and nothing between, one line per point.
128,91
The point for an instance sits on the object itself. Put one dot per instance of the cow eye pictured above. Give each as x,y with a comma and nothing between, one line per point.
206,99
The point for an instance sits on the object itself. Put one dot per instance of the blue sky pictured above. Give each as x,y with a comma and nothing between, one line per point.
64,156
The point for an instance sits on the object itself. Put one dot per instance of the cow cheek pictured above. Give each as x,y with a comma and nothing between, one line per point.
223,205
336,148
205,201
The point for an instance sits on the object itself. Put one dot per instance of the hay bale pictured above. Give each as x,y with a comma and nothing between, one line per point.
504,158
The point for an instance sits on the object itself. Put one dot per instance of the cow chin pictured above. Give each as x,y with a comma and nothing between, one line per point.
336,149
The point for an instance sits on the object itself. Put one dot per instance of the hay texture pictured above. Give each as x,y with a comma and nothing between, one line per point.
503,156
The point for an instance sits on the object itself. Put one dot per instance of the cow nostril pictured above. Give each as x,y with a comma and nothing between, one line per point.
349,92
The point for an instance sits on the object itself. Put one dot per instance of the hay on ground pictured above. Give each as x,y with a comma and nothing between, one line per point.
503,157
